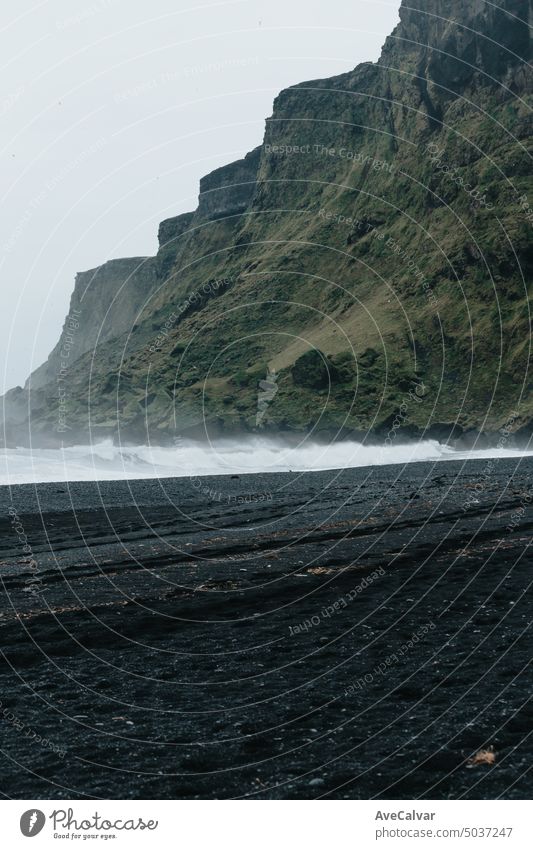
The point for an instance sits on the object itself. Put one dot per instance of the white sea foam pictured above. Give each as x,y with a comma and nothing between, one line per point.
105,461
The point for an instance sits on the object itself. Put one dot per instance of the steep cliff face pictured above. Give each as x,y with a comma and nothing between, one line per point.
104,304
455,40
384,223
229,190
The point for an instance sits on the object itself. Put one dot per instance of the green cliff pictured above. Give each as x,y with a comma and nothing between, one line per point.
367,268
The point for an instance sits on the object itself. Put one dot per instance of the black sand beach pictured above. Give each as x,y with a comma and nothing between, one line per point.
356,634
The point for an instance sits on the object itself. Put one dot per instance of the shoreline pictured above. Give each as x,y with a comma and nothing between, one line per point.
101,461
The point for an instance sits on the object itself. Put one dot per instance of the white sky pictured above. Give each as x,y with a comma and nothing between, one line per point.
112,110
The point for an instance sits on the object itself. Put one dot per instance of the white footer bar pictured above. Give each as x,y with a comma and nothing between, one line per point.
268,825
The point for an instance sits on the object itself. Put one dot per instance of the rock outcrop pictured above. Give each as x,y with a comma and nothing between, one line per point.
229,190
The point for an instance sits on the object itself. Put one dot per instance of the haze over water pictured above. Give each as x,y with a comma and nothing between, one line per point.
105,461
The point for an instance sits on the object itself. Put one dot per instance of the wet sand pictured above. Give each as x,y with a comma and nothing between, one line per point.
356,634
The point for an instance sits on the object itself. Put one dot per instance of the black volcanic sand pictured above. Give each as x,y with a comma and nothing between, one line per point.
165,656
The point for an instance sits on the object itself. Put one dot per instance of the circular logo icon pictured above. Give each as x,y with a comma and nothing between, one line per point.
32,822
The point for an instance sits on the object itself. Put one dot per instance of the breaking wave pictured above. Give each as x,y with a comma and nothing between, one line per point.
106,461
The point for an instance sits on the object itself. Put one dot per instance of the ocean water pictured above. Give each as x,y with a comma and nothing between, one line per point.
105,461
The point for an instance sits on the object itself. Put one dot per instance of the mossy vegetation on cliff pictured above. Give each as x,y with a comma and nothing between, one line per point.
380,237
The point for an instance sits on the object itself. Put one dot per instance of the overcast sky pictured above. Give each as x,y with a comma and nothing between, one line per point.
112,110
